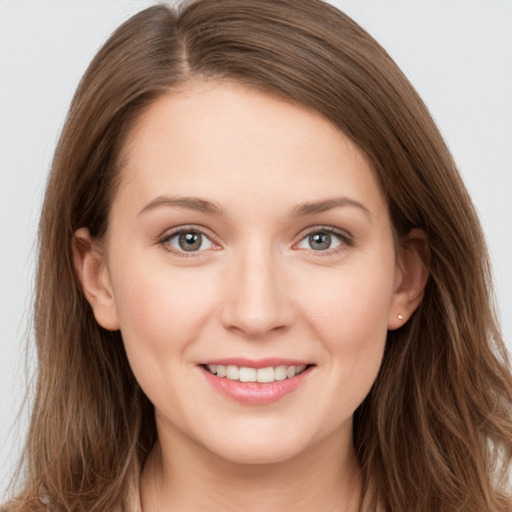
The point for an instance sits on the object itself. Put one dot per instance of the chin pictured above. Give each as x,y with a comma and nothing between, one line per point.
258,455
258,449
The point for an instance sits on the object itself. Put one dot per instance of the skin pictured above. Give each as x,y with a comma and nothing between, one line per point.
257,288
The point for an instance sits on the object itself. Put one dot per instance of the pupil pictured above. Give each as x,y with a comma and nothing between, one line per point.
320,241
190,241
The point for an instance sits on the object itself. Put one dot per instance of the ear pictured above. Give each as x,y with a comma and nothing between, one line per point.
410,278
92,272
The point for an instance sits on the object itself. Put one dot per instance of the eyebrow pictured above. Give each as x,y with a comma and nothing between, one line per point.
211,208
191,203
328,204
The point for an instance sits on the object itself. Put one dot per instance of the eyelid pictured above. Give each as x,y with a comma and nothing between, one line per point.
167,235
346,238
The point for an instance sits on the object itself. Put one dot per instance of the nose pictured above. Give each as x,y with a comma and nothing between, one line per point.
257,301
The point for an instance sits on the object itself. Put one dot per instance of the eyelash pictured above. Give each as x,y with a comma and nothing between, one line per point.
164,240
345,238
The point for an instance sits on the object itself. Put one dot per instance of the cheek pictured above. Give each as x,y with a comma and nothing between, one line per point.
161,310
348,312
351,306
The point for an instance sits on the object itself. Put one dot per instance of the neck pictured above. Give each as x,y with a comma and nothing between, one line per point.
182,476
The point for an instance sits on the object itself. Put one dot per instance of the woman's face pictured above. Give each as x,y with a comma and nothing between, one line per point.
250,235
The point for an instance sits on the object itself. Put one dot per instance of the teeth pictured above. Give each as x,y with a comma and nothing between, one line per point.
232,372
265,374
247,374
290,371
280,373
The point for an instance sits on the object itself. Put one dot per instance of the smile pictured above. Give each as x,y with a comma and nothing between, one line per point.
256,382
248,374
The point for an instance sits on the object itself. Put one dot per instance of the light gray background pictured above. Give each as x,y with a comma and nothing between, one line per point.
457,53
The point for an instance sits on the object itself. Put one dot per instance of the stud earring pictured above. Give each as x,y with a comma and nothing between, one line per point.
400,317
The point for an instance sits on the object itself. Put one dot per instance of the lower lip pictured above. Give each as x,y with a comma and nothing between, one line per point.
256,392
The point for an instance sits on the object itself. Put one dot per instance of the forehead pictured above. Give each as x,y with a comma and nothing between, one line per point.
231,142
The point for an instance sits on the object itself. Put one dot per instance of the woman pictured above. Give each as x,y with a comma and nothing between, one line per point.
261,284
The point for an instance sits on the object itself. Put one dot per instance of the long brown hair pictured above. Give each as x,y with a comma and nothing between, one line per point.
435,432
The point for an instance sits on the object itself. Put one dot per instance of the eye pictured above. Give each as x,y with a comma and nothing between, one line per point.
324,240
188,241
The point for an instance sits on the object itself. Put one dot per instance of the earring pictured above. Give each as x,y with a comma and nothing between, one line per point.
400,317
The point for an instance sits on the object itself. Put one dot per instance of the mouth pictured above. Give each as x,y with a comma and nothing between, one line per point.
256,383
265,375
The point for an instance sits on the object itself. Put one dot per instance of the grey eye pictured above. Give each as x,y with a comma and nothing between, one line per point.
320,241
190,241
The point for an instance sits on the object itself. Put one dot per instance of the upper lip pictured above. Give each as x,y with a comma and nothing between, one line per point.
256,363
